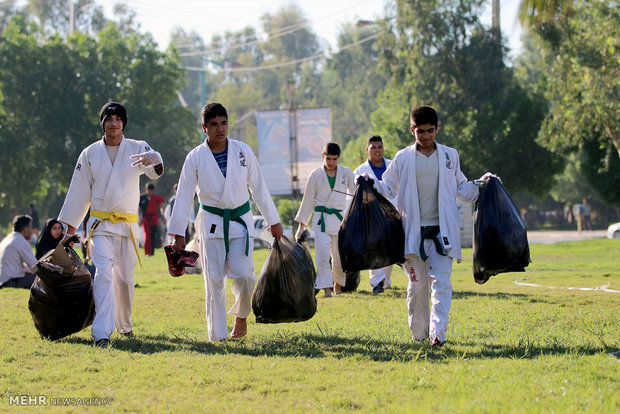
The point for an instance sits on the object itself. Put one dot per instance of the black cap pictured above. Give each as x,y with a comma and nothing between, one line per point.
113,108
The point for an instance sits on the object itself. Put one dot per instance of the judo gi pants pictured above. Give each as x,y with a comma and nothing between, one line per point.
217,266
383,274
326,245
114,258
430,278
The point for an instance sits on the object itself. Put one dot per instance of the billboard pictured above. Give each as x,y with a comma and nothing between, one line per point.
314,129
274,150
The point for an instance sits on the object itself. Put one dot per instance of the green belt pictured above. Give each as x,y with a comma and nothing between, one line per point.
233,214
430,232
323,209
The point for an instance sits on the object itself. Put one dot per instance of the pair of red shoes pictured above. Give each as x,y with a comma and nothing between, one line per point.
178,261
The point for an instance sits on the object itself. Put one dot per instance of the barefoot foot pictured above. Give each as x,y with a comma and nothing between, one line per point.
240,329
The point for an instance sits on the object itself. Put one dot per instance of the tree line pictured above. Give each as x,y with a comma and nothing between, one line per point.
547,123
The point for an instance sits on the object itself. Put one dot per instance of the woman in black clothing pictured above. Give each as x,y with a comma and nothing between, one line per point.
50,237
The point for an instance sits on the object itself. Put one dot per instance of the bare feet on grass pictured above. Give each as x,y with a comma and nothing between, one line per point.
240,329
337,289
328,292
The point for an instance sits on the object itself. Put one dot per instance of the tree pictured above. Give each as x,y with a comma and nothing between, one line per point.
39,111
438,53
537,12
351,83
54,15
49,112
582,79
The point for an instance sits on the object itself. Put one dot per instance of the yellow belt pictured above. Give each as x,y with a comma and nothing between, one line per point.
115,218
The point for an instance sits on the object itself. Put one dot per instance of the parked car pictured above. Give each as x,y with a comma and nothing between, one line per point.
613,231
260,224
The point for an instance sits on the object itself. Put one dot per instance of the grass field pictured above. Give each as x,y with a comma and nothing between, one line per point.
510,349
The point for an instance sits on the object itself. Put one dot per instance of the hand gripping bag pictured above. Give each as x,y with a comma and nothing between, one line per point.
285,289
500,238
61,297
371,235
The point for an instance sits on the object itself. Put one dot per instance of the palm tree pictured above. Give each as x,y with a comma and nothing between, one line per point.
537,12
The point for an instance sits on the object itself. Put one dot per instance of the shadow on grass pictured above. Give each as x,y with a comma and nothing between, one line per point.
283,344
464,294
390,293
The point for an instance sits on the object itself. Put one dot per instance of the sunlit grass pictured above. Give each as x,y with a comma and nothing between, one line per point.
511,348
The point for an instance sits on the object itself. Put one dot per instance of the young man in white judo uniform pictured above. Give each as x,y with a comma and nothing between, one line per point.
426,179
107,179
220,171
375,166
326,195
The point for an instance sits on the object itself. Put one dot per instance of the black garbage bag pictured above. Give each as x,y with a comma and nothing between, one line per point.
352,282
285,289
371,236
61,297
500,237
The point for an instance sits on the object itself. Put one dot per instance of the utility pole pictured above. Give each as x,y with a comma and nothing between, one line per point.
495,20
71,17
292,122
203,89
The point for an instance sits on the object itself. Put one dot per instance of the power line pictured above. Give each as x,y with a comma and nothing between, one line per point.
289,63
244,44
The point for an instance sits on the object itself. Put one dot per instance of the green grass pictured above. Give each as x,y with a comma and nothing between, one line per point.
511,348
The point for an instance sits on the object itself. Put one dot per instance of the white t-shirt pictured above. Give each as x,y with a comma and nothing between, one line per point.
112,150
427,179
14,252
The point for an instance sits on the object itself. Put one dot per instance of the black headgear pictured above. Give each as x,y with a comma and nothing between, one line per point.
113,108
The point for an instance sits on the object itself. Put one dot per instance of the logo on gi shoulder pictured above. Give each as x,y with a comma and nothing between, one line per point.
242,159
78,167
147,148
448,162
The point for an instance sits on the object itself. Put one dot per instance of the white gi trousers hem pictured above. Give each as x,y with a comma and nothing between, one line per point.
326,245
377,275
115,259
430,278
217,266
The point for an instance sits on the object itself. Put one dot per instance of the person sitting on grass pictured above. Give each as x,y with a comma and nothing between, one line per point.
16,257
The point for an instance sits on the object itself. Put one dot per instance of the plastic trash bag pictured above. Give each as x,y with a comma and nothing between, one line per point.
500,237
61,297
352,281
371,236
285,289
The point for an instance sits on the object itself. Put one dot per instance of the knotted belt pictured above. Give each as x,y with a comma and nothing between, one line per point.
430,232
115,218
323,210
235,215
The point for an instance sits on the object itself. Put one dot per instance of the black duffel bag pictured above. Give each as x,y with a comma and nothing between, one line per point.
371,236
61,297
285,289
500,237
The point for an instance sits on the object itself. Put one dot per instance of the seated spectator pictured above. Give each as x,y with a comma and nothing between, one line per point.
16,256
50,237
